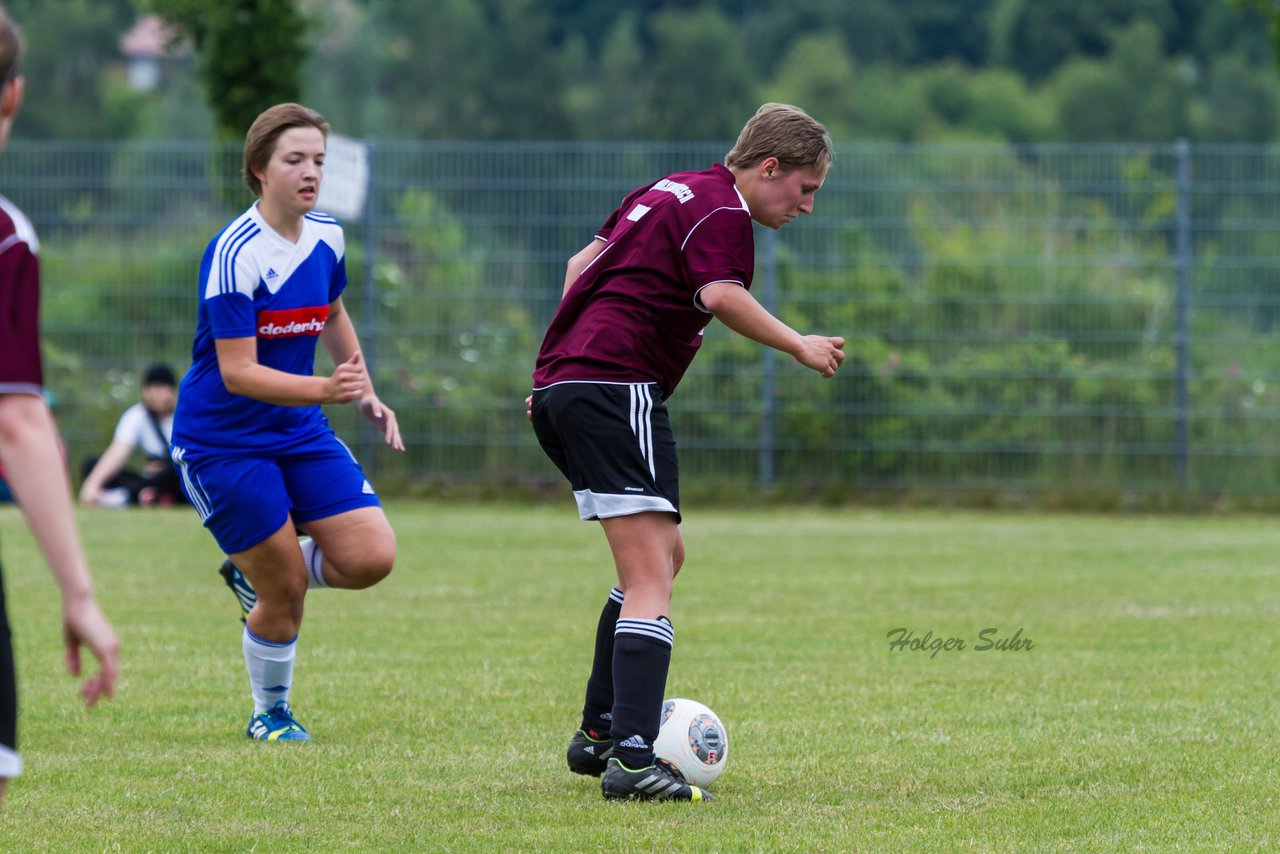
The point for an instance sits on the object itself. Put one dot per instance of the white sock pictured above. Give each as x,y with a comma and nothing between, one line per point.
270,666
314,559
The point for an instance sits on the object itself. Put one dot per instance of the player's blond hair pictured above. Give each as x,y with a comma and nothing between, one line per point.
10,47
260,141
788,133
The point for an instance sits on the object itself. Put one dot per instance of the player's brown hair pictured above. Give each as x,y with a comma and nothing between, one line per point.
788,133
10,47
260,141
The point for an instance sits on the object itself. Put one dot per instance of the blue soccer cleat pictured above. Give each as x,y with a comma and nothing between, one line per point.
240,586
276,724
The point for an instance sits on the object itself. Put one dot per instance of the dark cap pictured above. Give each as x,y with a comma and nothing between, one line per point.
159,375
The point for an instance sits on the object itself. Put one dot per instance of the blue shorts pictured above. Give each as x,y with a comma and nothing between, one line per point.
244,500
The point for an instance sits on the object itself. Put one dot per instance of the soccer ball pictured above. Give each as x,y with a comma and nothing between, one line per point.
692,742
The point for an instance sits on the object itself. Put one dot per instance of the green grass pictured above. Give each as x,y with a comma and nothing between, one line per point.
1143,718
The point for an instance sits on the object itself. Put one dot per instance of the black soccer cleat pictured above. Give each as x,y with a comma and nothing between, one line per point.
588,755
646,784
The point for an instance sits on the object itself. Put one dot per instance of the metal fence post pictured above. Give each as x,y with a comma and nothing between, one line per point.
1182,307
769,300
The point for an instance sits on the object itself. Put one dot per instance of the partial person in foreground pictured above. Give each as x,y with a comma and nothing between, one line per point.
256,455
145,426
675,254
31,449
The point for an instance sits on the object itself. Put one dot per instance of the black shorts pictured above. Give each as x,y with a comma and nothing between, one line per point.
613,441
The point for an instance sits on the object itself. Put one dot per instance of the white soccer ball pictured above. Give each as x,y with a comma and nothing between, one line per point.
692,742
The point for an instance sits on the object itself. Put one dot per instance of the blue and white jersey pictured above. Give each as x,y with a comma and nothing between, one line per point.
255,283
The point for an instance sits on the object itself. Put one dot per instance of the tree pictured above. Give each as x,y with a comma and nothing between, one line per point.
872,31
1136,94
950,29
1240,104
992,104
1001,106
1235,29
524,87
251,54
817,75
76,87
1036,37
340,75
1270,12
698,61
468,69
607,100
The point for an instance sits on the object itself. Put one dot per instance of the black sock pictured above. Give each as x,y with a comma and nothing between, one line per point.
597,710
641,656
8,680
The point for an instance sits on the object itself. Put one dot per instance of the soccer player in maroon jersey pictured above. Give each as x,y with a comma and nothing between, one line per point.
31,450
675,254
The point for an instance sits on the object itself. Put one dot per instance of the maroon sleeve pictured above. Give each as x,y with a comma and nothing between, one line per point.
721,249
20,365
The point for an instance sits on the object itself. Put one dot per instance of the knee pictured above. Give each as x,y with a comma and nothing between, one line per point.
282,600
285,593
373,565
380,567
677,558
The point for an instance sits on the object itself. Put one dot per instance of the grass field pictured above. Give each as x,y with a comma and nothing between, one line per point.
1143,717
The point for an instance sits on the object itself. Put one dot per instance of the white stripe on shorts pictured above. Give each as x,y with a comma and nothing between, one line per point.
199,500
642,422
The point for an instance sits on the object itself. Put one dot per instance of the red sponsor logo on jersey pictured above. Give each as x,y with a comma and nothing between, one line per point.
292,322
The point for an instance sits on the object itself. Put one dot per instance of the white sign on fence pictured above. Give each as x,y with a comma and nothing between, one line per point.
346,178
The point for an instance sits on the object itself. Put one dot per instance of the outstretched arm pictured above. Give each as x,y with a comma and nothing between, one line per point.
739,310
33,459
108,466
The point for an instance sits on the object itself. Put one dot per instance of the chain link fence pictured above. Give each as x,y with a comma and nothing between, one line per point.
1061,318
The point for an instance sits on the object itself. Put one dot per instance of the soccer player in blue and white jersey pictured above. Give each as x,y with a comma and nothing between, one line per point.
257,456
636,299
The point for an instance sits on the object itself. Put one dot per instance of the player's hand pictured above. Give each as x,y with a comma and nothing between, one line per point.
384,418
821,353
84,624
348,381
89,495
528,407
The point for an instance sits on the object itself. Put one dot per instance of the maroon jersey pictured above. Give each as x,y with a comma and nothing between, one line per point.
633,315
20,365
